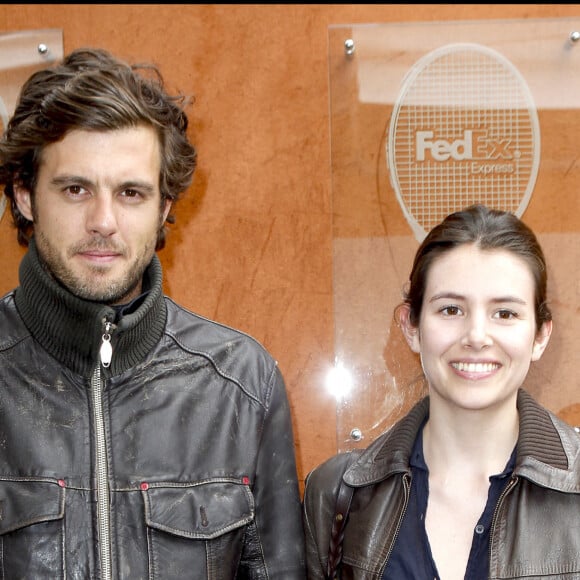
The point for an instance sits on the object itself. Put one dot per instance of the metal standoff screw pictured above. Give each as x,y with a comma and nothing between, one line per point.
356,434
349,46
42,48
575,36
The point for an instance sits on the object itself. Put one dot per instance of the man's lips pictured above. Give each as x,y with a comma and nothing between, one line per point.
100,255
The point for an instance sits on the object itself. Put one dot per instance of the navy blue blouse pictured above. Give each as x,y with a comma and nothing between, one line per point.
411,558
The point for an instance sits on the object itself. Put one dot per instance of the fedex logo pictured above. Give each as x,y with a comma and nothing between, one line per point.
473,145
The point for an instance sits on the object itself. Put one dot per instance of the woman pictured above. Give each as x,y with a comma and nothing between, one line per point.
478,480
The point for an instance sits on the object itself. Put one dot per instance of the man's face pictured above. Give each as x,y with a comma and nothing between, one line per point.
97,211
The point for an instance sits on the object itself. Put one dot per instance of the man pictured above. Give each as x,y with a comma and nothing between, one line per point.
137,440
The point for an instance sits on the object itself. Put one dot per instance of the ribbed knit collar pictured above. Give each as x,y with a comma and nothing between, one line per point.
71,329
538,439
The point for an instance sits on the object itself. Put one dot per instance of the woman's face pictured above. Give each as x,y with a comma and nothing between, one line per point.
477,331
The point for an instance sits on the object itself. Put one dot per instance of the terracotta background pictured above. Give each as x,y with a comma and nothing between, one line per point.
253,242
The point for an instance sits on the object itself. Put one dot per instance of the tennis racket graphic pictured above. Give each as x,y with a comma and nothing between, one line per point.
464,129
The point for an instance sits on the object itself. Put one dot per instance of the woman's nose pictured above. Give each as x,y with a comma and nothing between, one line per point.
476,332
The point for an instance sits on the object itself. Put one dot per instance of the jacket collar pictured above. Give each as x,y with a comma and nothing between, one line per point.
389,453
71,329
548,450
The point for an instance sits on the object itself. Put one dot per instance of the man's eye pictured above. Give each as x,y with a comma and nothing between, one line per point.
131,193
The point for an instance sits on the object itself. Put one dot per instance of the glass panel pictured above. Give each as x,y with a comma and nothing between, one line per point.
21,53
427,118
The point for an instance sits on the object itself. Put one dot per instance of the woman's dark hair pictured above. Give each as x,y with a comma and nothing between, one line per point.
92,90
488,229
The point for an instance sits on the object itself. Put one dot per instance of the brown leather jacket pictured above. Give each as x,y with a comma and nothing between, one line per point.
536,530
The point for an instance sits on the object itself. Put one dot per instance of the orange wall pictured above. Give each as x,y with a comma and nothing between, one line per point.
252,246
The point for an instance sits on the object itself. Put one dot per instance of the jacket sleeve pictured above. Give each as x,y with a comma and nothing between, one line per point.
277,495
320,492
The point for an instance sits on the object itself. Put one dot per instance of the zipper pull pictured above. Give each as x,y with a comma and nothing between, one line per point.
106,351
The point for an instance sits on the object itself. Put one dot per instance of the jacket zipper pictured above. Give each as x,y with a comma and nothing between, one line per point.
407,491
102,470
512,483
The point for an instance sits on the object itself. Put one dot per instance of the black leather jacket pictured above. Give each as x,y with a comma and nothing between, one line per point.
174,462
536,529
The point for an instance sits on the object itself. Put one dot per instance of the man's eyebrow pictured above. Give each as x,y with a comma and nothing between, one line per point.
142,186
67,179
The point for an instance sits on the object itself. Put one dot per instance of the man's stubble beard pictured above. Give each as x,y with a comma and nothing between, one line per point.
92,286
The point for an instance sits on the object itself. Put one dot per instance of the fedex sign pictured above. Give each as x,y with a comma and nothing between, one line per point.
473,145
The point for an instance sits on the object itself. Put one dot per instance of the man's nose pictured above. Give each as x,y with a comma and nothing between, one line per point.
101,217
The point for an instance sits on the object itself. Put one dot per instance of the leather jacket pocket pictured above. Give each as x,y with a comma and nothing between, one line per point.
195,525
31,528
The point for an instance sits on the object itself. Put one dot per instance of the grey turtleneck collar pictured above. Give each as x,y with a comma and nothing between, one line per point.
71,329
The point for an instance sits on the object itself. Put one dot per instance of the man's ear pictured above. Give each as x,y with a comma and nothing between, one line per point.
541,341
410,331
23,201
166,209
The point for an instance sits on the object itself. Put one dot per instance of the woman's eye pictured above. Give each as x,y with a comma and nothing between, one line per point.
506,314
450,310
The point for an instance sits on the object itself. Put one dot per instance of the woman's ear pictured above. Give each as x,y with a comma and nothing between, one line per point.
410,331
23,201
541,341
